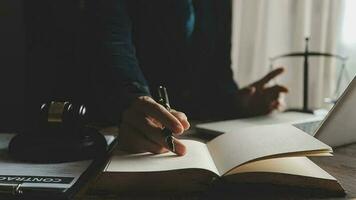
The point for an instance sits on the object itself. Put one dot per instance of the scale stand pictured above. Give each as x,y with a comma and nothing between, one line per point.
306,54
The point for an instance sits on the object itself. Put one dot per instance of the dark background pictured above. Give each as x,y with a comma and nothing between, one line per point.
48,51
12,64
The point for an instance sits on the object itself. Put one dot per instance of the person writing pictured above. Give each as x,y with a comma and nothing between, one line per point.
184,45
141,119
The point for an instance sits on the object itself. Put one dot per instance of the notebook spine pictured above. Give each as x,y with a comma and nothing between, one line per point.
13,189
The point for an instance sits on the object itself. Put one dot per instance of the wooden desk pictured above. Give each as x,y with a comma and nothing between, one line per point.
342,166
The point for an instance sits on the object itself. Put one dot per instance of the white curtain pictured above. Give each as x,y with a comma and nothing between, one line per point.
264,29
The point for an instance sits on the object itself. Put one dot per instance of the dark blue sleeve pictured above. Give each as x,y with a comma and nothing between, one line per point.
123,56
120,79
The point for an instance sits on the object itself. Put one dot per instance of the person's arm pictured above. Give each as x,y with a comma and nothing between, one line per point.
255,99
118,79
141,118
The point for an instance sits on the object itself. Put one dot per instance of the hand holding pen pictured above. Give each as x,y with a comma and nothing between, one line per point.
146,124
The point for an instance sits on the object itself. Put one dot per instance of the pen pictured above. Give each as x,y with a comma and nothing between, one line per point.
164,101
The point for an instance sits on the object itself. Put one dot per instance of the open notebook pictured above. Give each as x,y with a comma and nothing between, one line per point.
266,154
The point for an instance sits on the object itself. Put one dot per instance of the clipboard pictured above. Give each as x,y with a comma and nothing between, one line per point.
47,181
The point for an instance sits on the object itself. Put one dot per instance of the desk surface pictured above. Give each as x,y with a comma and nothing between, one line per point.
342,166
